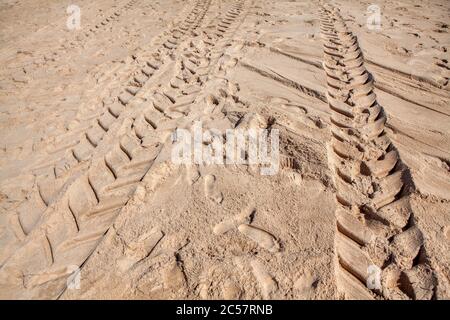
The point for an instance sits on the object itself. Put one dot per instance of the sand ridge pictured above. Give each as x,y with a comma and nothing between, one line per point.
87,122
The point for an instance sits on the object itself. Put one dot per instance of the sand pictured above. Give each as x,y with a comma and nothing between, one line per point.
92,205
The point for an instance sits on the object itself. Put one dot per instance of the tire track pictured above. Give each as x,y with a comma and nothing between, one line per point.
273,75
215,93
70,155
74,225
379,86
418,82
375,226
104,23
79,39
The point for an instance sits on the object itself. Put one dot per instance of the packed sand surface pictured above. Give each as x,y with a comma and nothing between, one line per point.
93,205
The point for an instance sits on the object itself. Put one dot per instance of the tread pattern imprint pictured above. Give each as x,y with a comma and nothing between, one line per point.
91,173
376,235
69,155
105,169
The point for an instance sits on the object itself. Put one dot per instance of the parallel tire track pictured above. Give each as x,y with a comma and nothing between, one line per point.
73,226
375,226
70,154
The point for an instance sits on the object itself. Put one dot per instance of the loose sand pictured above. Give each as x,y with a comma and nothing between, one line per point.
93,207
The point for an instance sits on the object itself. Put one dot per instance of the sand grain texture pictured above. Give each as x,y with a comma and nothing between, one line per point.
87,120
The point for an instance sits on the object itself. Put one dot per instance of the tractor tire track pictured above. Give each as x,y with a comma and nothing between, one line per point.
70,153
73,226
380,251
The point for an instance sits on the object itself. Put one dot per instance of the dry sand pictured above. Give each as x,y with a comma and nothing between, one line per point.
92,207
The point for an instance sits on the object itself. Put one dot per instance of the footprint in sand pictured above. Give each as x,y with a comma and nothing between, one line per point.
261,237
210,189
245,216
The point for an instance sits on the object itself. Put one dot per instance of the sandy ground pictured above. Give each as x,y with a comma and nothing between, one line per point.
93,207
